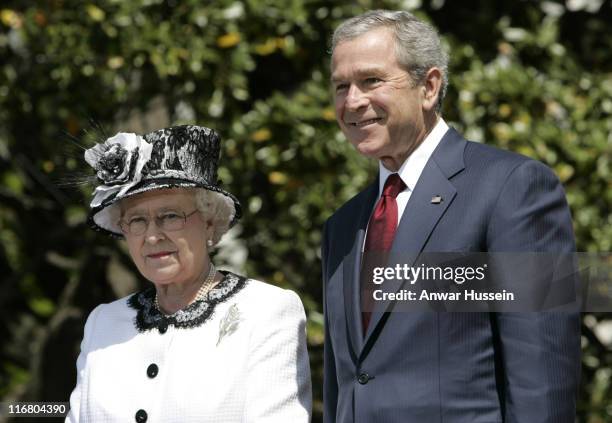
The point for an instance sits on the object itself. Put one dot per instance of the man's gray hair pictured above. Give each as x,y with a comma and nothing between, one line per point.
417,43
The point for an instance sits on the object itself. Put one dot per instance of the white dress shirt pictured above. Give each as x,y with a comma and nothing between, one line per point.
410,171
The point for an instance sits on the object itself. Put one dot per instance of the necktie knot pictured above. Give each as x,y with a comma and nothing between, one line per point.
393,186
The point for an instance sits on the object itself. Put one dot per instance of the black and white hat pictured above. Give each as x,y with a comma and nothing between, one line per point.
128,164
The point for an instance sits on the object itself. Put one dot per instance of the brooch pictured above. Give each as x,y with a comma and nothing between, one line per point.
229,323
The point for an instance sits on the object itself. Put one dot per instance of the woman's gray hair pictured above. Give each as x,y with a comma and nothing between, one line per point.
417,43
217,208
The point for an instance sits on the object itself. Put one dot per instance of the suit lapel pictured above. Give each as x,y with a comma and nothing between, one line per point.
421,215
352,268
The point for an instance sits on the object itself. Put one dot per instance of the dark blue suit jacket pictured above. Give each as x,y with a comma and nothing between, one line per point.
452,367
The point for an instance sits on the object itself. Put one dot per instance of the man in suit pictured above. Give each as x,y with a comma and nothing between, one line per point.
435,192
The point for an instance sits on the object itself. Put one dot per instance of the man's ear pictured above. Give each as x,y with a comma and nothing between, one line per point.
431,89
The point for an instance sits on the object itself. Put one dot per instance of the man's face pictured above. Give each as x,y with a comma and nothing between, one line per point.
378,107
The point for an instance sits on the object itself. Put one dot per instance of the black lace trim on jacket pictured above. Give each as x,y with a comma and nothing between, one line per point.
195,314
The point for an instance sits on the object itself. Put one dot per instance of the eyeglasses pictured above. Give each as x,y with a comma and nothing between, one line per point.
167,221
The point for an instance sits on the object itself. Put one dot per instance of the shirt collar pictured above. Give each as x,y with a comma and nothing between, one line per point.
410,170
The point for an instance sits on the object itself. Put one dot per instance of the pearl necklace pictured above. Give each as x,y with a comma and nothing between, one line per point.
206,286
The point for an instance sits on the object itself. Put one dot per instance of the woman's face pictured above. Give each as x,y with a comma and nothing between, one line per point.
167,256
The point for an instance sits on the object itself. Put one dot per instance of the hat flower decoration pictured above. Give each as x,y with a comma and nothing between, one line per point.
118,163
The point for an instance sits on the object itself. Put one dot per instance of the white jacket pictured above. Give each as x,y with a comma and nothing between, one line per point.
257,371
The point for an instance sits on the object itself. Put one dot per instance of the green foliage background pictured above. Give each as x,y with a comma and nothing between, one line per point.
533,77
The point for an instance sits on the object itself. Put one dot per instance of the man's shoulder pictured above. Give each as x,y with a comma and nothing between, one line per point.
453,144
486,154
487,159
454,154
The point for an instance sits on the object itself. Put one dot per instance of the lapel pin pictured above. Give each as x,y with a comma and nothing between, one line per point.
436,199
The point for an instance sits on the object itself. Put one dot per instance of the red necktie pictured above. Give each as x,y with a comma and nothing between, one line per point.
381,231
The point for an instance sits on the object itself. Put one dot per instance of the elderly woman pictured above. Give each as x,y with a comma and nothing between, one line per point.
199,345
